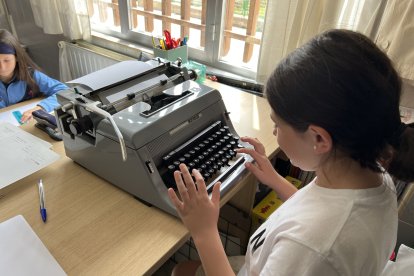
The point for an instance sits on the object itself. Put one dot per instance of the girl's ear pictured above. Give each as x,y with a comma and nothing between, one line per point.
321,138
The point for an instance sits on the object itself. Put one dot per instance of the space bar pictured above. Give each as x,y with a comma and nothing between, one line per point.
226,173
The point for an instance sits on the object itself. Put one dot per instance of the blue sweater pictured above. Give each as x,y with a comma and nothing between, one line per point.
17,91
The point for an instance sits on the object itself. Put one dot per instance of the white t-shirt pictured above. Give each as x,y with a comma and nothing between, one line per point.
321,231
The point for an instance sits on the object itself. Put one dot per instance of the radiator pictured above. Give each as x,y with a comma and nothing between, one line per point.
77,59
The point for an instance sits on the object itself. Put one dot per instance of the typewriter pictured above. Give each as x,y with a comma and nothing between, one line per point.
133,123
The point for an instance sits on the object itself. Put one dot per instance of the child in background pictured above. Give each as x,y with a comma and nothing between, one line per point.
21,78
335,108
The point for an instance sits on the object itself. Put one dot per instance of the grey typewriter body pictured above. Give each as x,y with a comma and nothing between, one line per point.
136,142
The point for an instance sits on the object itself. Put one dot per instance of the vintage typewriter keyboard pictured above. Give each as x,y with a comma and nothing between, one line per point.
212,152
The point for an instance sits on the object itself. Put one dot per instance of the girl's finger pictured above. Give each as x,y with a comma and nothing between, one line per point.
215,194
201,185
175,200
258,146
188,180
253,153
182,189
252,168
24,118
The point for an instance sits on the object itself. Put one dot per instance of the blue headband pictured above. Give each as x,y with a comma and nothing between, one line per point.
7,49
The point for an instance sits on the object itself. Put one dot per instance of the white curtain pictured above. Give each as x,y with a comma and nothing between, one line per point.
396,36
67,17
290,23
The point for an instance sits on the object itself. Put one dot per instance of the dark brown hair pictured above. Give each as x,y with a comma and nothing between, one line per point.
341,81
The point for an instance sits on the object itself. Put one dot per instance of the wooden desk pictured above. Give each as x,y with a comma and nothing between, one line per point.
95,228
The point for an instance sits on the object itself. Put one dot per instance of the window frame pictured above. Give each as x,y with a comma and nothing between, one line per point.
213,33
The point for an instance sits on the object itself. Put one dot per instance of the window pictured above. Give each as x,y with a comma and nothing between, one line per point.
224,34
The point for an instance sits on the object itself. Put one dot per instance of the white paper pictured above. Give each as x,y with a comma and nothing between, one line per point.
22,252
21,154
112,74
8,117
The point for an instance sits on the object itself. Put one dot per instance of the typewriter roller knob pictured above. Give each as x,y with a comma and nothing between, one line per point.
75,128
80,126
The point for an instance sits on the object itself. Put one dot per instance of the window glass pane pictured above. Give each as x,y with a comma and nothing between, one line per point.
243,27
153,17
104,13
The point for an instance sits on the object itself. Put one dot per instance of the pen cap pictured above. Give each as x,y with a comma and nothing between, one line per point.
43,214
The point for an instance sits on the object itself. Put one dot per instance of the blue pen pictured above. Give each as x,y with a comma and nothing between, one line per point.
42,201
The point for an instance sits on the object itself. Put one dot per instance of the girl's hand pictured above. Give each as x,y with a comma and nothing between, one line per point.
262,169
27,115
198,212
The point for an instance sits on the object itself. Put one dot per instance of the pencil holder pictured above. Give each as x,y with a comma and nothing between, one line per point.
173,54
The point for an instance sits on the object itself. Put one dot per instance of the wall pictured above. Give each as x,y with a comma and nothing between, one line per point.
41,47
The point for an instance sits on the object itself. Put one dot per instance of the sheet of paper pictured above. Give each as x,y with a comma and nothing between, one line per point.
112,74
21,154
22,252
8,116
